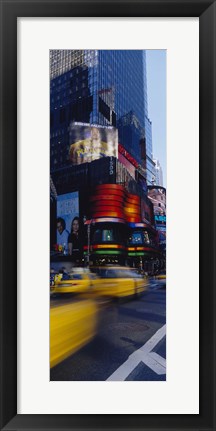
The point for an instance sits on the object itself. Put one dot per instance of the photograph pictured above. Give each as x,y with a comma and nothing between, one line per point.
108,197
107,215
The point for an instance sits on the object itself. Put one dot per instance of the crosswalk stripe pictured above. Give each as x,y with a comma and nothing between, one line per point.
144,355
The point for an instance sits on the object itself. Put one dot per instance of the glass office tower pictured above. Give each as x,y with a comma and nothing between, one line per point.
105,87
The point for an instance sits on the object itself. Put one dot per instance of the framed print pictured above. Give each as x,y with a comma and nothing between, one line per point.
82,207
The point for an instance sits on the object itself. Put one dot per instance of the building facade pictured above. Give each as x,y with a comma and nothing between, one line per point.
100,87
101,141
157,196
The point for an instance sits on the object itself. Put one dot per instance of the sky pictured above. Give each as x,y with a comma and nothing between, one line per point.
156,88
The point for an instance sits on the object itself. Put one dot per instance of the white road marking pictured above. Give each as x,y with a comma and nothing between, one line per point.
156,286
154,340
158,358
145,355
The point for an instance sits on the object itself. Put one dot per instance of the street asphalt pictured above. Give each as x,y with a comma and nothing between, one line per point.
130,343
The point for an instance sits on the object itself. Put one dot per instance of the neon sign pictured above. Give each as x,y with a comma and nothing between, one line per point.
160,218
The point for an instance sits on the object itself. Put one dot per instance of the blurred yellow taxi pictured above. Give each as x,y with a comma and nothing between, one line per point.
118,281
72,326
78,280
161,276
161,279
102,281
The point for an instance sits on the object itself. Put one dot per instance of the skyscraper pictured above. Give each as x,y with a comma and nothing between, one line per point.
158,174
105,87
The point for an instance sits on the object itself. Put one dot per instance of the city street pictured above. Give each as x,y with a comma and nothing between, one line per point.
130,343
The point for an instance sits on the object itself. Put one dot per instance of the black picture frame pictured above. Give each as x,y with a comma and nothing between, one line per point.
10,11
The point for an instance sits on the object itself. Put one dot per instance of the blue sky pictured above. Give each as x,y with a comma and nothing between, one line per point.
156,87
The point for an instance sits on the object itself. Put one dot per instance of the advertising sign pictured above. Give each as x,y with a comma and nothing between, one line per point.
124,152
129,166
67,210
102,171
160,223
91,142
161,228
160,219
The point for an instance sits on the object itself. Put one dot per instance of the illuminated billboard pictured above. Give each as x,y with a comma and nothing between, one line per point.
131,168
67,211
160,219
91,142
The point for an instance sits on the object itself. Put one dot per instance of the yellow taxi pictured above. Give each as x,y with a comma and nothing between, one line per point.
118,281
72,326
161,279
78,280
102,281
160,276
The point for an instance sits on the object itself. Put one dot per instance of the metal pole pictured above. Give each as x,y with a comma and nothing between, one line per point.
88,233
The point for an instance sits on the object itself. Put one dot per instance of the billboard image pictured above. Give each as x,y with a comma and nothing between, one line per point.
91,142
67,212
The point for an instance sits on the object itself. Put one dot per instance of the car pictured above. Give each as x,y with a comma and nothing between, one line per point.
78,280
118,281
161,279
101,281
73,324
